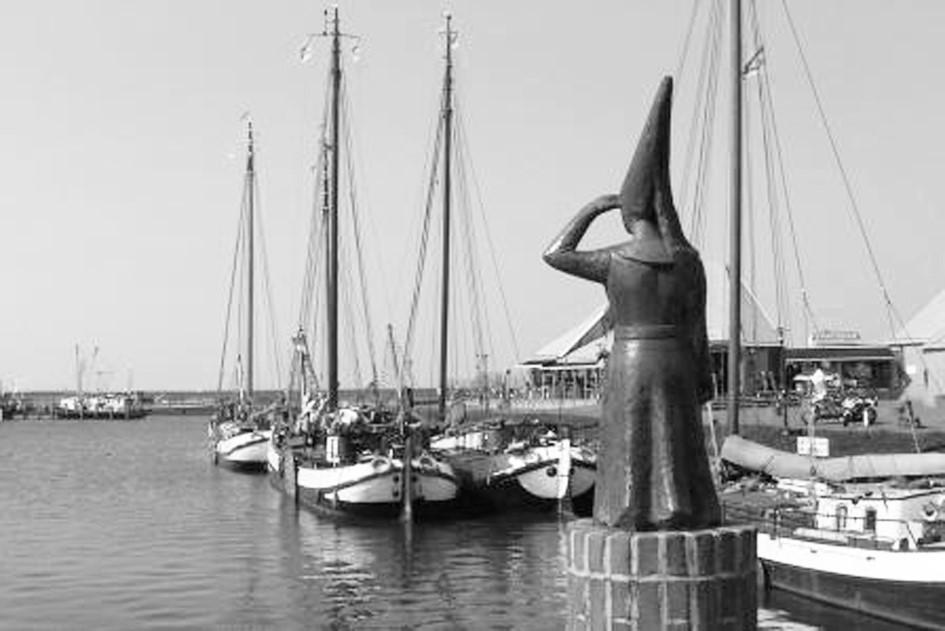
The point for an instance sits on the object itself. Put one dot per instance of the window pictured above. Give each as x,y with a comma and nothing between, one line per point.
870,520
841,517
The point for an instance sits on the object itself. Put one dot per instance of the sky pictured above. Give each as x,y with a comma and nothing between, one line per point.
122,142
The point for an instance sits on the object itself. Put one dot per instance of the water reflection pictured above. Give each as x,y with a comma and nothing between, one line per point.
500,573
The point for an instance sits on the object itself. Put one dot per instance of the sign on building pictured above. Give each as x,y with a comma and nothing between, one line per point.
834,337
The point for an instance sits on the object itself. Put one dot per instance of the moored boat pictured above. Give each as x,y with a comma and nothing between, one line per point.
357,462
239,430
504,468
863,533
337,458
239,437
100,406
873,548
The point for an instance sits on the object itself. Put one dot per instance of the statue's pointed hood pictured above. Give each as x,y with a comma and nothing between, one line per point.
649,169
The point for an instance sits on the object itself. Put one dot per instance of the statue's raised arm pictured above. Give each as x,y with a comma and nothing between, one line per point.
563,255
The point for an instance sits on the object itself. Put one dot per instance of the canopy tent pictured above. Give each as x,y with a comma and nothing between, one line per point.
927,326
922,340
593,328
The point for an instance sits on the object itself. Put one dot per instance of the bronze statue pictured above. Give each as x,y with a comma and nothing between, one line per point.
652,470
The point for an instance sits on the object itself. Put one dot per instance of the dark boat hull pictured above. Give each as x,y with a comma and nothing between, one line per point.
917,605
242,467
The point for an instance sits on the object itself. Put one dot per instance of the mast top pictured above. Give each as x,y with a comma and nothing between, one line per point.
451,37
250,143
335,22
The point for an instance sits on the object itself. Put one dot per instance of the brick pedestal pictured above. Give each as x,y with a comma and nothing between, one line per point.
702,580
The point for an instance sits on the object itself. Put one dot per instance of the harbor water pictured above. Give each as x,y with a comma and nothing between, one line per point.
127,524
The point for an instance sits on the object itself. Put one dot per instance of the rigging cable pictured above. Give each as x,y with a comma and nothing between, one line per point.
316,223
347,301
467,230
757,67
356,230
709,83
701,135
229,301
892,313
749,333
267,284
422,250
891,310
810,319
684,54
463,145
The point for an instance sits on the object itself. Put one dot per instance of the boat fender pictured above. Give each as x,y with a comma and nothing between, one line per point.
427,462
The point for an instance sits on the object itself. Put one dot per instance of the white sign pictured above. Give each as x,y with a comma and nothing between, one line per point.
819,446
830,337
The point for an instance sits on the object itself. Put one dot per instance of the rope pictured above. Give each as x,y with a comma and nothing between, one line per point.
492,249
776,141
778,267
267,286
467,230
229,301
684,54
315,237
749,333
707,101
891,312
351,320
356,229
240,299
422,250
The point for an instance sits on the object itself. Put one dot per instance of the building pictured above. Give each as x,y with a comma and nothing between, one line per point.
876,368
571,366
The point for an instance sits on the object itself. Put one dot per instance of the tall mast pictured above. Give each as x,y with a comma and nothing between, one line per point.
447,150
250,202
332,298
735,243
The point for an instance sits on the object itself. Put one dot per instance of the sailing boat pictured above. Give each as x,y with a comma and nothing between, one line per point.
238,433
344,459
503,465
835,530
98,405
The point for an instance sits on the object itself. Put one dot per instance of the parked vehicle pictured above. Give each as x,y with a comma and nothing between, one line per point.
858,409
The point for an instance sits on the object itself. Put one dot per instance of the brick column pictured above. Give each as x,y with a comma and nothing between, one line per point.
701,580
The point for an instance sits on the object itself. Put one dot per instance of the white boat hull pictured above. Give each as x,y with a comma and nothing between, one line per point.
535,478
916,566
245,450
372,487
906,587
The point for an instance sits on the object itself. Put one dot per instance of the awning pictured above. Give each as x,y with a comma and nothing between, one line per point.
840,354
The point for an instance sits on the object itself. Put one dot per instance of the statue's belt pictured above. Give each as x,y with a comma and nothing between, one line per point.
645,331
